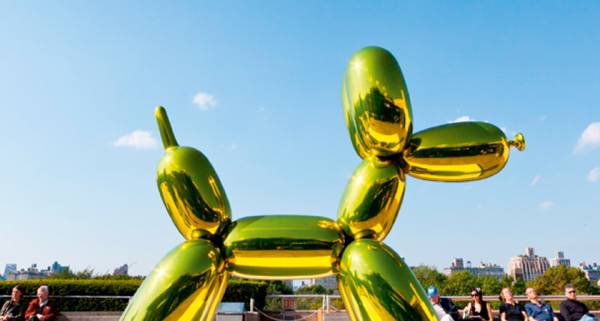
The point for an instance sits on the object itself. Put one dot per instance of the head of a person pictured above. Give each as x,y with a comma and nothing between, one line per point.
433,295
17,293
42,293
476,295
506,295
570,292
531,294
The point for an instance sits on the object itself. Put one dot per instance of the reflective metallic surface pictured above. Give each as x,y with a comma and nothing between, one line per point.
374,281
187,284
190,187
283,246
376,284
459,152
376,103
371,200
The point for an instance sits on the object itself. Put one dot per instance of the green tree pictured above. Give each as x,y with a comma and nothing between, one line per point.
428,275
278,287
519,287
507,281
555,278
460,283
489,285
314,289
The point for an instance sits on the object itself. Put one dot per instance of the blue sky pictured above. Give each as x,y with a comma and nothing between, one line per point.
256,87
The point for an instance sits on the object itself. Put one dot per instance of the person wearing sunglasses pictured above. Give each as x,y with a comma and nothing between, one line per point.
572,309
477,309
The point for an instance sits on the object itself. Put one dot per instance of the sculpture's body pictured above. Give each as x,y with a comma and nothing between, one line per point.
374,281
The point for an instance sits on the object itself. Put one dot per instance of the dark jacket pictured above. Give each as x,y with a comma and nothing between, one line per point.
14,311
573,310
449,308
49,310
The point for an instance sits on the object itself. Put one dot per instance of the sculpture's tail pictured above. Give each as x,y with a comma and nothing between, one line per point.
166,131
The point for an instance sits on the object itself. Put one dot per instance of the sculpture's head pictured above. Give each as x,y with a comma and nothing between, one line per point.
378,114
376,103
190,187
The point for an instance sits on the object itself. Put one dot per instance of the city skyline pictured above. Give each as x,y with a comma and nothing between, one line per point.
465,264
257,90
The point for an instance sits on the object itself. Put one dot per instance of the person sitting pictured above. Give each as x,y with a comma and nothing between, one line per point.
41,308
510,309
444,307
536,309
14,309
478,309
573,310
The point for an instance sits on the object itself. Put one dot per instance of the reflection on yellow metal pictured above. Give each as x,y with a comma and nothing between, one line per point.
186,285
376,284
376,103
283,247
374,281
190,188
459,152
372,198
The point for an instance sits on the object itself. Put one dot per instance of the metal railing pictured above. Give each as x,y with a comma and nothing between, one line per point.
327,307
128,297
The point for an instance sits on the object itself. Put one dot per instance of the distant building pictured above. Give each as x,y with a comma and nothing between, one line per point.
329,283
560,260
32,272
57,268
122,270
528,266
484,269
592,272
289,284
10,268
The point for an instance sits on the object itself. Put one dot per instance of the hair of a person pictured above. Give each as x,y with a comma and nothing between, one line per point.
19,288
569,286
502,298
44,288
481,301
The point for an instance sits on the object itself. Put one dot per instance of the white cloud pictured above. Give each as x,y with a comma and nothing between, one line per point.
594,175
138,139
590,138
204,101
461,119
546,205
535,180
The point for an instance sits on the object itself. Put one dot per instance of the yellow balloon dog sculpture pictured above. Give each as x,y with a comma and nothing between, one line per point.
374,281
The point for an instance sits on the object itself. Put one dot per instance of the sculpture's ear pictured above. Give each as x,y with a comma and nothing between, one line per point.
376,103
190,188
164,126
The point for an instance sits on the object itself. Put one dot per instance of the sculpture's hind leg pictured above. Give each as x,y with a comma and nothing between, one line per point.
187,284
376,284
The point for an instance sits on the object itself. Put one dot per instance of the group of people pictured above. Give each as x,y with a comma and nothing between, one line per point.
41,308
510,310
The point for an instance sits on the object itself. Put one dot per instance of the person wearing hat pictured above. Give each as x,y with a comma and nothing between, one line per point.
444,307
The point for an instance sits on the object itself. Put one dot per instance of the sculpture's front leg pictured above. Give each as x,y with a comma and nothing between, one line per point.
376,284
187,284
